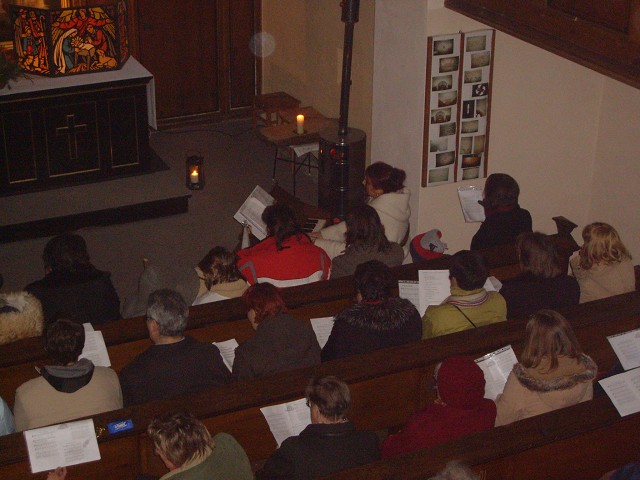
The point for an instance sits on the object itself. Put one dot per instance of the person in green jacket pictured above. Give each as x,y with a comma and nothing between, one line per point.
185,446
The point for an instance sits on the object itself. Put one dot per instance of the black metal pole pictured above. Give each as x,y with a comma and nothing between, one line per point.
350,10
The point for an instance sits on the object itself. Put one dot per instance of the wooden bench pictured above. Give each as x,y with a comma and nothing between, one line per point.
387,387
223,320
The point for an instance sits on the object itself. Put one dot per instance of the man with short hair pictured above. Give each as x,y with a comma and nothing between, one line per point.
176,364
70,388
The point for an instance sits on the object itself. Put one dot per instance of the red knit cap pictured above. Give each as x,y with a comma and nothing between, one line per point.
460,382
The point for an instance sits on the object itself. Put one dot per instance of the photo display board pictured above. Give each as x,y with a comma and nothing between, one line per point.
457,107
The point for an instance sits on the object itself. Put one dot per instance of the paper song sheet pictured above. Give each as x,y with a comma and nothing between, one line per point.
322,328
435,287
471,209
95,349
287,419
496,367
62,445
228,351
410,290
251,211
627,348
492,284
624,391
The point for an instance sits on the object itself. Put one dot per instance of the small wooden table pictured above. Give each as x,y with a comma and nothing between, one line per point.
271,104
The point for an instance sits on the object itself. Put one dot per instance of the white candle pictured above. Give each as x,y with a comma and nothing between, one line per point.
194,176
300,124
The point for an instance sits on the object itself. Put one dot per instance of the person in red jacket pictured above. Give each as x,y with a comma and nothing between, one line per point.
460,409
287,256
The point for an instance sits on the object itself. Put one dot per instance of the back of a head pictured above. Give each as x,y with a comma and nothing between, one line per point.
548,335
180,437
469,268
219,266
500,190
365,229
455,470
169,310
460,382
373,281
385,177
64,341
281,223
67,252
602,244
538,255
331,395
265,300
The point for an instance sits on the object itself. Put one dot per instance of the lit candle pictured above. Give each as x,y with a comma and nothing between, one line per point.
300,124
194,176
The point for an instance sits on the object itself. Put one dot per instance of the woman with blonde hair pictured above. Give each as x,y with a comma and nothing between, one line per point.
553,372
603,266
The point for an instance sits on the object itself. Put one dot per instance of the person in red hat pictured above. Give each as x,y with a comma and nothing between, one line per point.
459,409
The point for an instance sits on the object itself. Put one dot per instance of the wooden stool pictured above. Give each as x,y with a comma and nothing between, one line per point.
270,104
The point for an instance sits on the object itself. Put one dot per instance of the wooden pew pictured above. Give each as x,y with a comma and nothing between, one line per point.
227,319
387,387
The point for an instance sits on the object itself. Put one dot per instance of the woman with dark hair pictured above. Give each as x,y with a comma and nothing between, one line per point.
552,373
469,305
365,240
378,320
221,277
543,282
389,197
504,219
287,256
280,343
72,286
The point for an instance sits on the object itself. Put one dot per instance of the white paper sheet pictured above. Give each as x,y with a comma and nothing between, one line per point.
627,348
624,391
410,290
87,327
435,287
496,367
95,349
251,211
492,284
287,419
62,445
322,328
471,209
227,351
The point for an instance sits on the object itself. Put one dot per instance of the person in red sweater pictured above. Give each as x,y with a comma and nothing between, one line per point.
460,409
287,256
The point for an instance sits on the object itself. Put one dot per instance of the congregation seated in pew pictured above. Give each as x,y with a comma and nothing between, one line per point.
377,320
469,305
70,388
280,342
543,282
553,372
176,364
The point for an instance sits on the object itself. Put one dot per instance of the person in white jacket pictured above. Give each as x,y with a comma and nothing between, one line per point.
387,194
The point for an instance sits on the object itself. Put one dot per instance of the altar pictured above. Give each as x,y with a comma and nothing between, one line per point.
73,130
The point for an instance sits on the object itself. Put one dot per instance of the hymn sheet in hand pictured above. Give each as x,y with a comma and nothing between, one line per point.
287,419
251,211
496,367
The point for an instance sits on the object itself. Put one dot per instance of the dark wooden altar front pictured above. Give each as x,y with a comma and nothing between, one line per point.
60,132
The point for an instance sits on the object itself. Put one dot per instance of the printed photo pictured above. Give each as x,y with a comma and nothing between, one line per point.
441,115
449,64
468,109
480,90
481,107
473,76
469,127
478,144
447,99
471,161
443,82
443,47
465,145
446,158
475,44
470,173
439,175
447,129
439,145
480,59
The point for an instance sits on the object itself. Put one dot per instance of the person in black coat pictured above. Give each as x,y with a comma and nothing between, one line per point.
72,287
504,219
377,321
330,444
543,283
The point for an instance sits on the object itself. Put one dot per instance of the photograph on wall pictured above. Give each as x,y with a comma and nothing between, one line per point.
442,109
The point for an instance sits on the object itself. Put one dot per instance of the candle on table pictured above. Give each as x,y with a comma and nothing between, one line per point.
194,177
300,124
